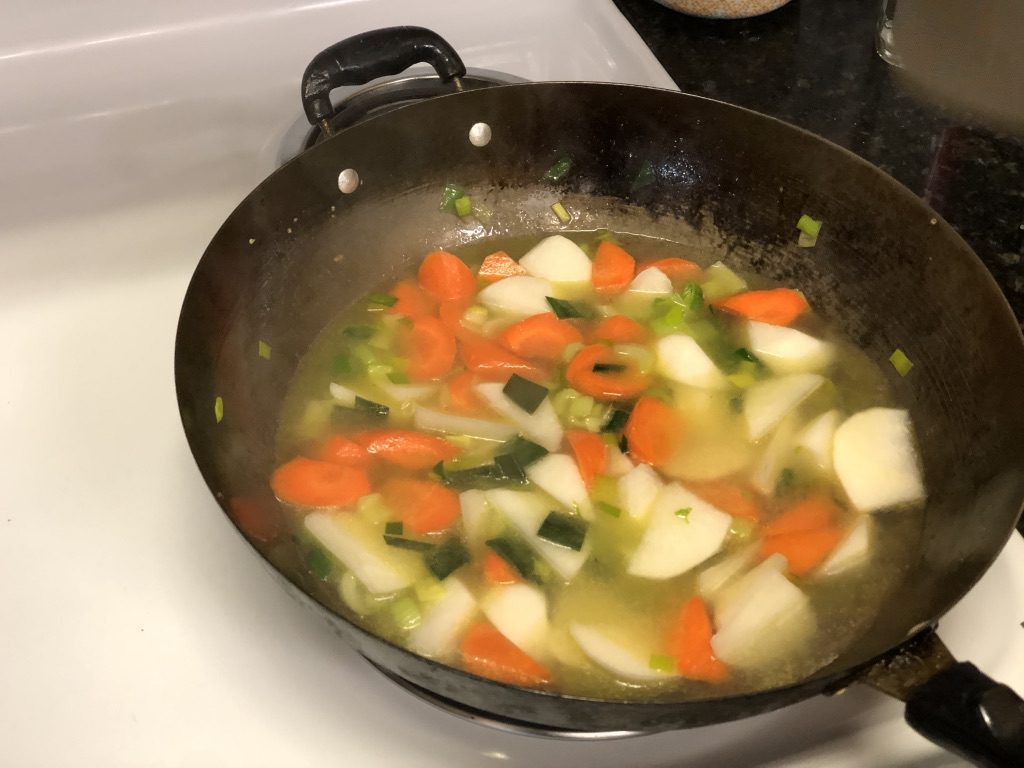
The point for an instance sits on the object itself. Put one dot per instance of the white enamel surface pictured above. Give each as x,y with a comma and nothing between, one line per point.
173,620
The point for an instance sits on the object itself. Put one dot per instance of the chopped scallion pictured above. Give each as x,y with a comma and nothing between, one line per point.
510,468
447,558
383,299
527,394
564,309
901,362
564,530
463,206
319,564
406,613
413,545
684,513
397,377
218,408
263,349
558,171
807,225
609,509
451,193
561,213
692,297
661,663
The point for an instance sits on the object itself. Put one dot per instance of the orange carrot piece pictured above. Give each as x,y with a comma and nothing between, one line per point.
689,643
611,385
310,483
803,550
498,571
590,453
341,450
493,362
405,448
413,301
425,506
613,269
451,313
619,329
445,277
541,337
679,271
430,348
778,306
653,431
731,497
488,653
461,397
258,517
497,266
810,514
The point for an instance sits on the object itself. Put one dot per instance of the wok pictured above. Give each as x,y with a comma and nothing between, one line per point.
713,177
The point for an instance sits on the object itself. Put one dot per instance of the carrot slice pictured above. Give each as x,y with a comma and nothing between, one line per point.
451,313
488,653
424,505
590,453
803,550
430,348
497,266
341,450
413,301
778,306
498,571
810,514
604,385
653,431
542,337
310,483
689,643
445,276
613,269
731,497
492,361
405,448
461,396
258,517
679,271
619,329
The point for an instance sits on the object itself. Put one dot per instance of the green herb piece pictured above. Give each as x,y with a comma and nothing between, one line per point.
558,171
561,213
406,613
517,554
360,332
901,362
413,545
370,407
785,483
609,509
341,366
564,530
263,349
393,528
397,377
661,663
807,225
617,421
382,299
484,477
692,297
527,394
720,282
218,409
447,558
666,317
608,368
644,177
319,564
524,451
451,193
463,206
564,309
684,513
623,444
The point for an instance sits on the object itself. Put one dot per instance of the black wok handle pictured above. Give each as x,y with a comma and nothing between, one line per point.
965,711
361,58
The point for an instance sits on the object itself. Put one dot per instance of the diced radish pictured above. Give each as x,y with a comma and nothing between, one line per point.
526,512
613,656
727,599
875,459
558,475
851,552
542,426
681,359
406,393
476,514
343,394
521,296
520,613
651,280
767,403
360,546
430,420
787,350
637,490
721,574
775,456
557,259
682,532
816,439
444,621
618,463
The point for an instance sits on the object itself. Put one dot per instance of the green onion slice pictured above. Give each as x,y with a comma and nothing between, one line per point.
558,171
382,299
564,530
901,362
564,309
413,545
561,213
447,558
527,394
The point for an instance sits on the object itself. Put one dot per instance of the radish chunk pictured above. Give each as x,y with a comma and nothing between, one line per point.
618,659
444,621
541,426
683,532
768,402
343,394
775,456
787,350
557,259
559,476
681,359
404,393
876,461
520,296
617,463
638,489
724,572
520,613
448,423
652,280
360,547
526,512
815,440
851,552
476,514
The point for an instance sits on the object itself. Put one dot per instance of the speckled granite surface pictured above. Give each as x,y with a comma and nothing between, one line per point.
813,63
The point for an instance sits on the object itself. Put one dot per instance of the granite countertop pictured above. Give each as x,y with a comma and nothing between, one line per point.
814,64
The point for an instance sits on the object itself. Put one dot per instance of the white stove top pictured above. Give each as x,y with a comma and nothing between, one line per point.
137,627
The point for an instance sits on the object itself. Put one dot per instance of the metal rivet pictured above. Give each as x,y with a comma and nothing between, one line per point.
348,181
480,135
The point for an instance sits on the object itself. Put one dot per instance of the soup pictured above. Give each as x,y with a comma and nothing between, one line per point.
583,464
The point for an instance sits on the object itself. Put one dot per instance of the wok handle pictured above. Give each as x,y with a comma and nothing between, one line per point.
361,58
963,710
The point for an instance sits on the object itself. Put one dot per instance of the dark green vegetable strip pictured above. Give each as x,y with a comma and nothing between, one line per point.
451,193
361,332
510,467
524,451
526,394
564,530
745,354
447,558
383,299
393,528
483,477
319,564
692,297
786,482
564,309
617,421
412,544
368,406
558,171
608,368
517,554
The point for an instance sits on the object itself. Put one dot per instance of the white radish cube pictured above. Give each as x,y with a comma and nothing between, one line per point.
768,402
618,463
559,476
344,395
476,515
613,656
557,259
727,599
542,426
852,550
406,393
526,512
875,459
430,420
723,573
816,439
787,350
444,621
682,532
681,359
775,456
637,490
520,613
520,295
651,280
